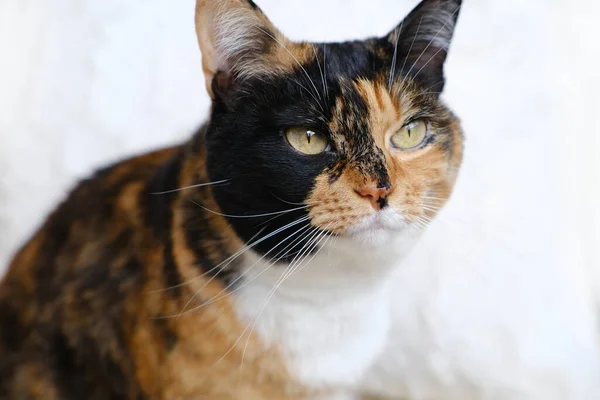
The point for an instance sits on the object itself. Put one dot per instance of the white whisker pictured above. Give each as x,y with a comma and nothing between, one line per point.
432,40
325,70
307,91
430,58
248,216
411,47
393,69
295,59
232,258
225,293
320,70
193,186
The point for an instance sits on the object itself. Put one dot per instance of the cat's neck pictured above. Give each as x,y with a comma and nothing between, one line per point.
338,270
330,316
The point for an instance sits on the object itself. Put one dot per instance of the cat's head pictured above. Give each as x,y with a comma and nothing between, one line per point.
347,138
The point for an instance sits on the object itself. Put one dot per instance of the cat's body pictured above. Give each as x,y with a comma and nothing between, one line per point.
117,302
251,262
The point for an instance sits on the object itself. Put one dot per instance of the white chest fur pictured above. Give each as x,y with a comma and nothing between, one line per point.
331,318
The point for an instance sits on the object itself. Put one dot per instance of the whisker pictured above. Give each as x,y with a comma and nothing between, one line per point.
424,219
445,47
307,247
307,91
411,47
232,257
320,70
430,209
288,202
433,198
286,251
268,266
420,224
325,70
434,85
244,249
225,293
295,59
248,216
426,93
432,40
324,237
192,187
269,220
393,69
437,204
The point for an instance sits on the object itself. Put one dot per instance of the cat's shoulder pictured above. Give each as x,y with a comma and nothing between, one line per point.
98,208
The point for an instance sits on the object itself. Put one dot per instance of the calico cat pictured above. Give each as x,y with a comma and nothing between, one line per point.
254,260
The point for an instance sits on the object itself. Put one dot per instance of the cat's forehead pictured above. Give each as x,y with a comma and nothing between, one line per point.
359,84
365,106
349,85
363,96
353,59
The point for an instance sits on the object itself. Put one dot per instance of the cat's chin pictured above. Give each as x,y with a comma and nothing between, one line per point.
380,229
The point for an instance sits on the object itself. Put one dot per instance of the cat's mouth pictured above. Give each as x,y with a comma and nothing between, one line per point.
378,227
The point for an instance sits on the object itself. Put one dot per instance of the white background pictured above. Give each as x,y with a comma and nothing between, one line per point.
498,301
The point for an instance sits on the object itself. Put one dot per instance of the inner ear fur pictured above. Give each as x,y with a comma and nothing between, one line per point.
236,38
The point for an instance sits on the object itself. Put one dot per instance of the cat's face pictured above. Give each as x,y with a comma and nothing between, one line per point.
351,137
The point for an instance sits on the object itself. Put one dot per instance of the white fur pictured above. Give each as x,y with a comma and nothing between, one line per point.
235,29
331,317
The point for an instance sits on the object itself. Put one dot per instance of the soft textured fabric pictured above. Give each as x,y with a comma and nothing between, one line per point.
498,301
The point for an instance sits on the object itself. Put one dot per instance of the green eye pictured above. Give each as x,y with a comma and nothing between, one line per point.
410,135
306,140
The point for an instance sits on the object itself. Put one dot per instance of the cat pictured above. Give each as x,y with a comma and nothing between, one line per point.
252,261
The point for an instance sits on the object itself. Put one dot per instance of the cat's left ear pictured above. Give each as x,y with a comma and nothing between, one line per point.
420,43
237,40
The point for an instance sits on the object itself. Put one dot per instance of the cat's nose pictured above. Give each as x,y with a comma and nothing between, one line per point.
376,194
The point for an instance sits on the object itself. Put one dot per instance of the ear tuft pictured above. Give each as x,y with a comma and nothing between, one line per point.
422,40
233,35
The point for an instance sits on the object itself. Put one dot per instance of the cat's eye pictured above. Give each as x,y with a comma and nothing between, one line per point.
306,140
410,135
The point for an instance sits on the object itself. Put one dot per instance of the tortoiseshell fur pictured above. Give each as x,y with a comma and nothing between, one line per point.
131,288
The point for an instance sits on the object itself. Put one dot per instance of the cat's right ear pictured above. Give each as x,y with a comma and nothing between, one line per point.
422,40
235,39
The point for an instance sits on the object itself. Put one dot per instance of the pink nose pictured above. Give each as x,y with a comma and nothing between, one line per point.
377,195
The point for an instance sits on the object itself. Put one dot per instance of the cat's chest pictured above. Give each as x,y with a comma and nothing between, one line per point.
328,340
